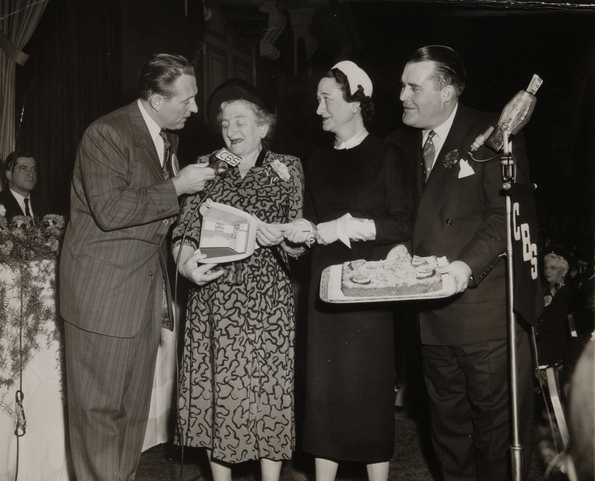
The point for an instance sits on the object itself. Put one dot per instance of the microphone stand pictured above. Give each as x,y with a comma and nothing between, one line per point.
508,179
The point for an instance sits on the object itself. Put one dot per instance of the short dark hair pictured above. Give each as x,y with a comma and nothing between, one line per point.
160,72
11,159
366,103
450,69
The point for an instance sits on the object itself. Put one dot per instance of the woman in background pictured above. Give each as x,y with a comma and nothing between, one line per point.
362,207
553,330
237,377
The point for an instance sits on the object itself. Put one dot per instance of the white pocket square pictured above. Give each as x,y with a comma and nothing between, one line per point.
465,170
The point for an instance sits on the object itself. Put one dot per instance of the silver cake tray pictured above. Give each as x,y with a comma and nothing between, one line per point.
330,289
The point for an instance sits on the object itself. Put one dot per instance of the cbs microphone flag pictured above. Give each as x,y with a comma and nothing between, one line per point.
528,294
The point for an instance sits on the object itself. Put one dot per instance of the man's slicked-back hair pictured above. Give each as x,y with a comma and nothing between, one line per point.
450,69
160,72
11,159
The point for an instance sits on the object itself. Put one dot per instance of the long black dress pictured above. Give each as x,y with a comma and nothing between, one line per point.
350,348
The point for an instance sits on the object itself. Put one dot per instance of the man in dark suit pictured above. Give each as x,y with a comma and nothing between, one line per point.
124,198
20,170
461,215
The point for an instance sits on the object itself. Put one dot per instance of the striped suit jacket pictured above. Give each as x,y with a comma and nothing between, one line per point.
110,278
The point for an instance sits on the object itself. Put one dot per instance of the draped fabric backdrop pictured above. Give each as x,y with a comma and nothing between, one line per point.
72,77
18,21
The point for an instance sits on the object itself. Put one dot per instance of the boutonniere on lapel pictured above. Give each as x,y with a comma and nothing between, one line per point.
280,169
453,158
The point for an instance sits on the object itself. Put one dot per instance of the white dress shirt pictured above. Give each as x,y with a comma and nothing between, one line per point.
441,132
21,201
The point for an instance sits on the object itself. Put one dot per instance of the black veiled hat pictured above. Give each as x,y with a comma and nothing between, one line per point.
233,89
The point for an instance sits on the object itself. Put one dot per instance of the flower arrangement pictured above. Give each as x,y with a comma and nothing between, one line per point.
23,239
27,291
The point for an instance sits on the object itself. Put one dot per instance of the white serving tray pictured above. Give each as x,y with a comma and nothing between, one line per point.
330,289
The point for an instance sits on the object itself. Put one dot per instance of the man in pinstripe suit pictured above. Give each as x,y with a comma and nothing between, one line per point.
123,201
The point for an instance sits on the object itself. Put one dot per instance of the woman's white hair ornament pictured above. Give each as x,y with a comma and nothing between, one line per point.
355,76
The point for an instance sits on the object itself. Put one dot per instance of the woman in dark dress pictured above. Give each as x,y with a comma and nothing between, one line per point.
237,376
361,208
553,330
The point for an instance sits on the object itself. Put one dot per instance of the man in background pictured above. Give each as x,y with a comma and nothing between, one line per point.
124,198
20,169
461,215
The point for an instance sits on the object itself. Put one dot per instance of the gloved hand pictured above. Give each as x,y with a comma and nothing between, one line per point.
357,229
346,228
329,232
300,231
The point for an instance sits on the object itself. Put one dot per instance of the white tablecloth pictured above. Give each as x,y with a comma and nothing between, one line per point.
42,450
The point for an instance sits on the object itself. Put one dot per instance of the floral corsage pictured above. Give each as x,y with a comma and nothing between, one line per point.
280,169
451,158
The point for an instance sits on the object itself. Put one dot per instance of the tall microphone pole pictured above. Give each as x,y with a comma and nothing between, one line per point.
508,178
513,118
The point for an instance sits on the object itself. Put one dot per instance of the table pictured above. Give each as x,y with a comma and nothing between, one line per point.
42,449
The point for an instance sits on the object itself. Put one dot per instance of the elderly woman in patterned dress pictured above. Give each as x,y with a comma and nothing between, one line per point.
237,376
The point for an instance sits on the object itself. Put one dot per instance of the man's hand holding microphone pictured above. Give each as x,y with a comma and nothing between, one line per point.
192,178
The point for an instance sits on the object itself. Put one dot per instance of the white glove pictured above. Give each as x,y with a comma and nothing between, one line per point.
357,229
329,232
300,231
346,229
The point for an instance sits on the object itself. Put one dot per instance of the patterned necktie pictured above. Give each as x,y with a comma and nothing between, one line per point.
167,168
428,152
27,209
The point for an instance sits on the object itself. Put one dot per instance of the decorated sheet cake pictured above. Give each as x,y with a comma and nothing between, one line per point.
398,277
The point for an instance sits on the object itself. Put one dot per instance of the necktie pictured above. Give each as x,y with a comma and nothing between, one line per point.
428,152
168,170
27,209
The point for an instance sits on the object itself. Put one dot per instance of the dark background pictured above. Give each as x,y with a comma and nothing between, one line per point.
85,55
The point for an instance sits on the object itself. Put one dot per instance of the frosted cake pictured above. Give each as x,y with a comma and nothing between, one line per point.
399,274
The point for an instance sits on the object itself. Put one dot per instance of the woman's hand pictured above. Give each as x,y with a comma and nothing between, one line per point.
300,231
269,234
199,274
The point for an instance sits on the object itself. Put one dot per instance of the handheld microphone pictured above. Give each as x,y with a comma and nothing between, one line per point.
221,160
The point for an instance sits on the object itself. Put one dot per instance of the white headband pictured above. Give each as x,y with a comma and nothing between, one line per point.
355,76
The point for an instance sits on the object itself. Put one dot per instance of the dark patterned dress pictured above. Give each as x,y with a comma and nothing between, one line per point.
237,375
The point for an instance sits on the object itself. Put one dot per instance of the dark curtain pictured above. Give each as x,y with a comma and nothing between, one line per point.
72,77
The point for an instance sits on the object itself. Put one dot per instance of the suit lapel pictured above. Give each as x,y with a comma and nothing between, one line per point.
143,140
440,180
454,140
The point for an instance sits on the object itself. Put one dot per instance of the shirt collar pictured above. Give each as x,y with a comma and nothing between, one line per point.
20,197
443,129
153,127
353,141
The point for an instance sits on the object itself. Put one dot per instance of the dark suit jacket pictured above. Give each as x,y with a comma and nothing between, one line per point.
462,219
8,200
121,209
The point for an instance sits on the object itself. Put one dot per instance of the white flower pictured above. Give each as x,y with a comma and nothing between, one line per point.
2,210
280,169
